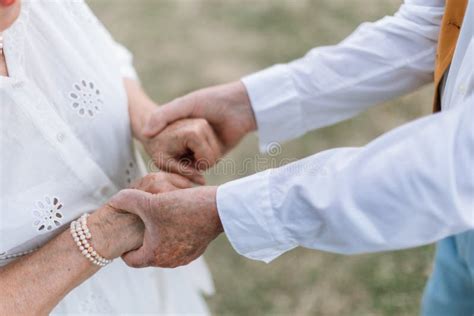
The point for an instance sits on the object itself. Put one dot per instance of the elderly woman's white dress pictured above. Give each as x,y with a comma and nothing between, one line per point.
66,148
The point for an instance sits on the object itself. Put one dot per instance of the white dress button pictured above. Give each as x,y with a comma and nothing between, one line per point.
60,137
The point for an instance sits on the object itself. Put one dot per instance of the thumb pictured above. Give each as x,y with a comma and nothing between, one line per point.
138,258
132,201
168,113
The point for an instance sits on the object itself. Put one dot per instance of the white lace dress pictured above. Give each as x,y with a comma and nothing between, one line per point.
66,148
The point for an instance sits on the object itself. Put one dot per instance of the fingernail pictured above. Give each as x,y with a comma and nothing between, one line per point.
7,3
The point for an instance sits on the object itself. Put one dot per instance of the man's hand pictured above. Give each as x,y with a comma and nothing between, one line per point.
185,147
227,109
190,134
179,225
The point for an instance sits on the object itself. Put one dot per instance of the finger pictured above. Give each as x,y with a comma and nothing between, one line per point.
139,258
215,146
203,154
156,188
182,168
156,182
136,184
179,182
135,258
132,201
209,142
177,109
214,143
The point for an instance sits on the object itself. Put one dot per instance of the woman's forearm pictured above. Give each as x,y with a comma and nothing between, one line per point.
140,106
36,283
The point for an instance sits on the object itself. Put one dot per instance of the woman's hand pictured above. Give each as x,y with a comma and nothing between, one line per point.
115,232
186,147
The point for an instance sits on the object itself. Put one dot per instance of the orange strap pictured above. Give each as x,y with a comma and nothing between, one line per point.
448,37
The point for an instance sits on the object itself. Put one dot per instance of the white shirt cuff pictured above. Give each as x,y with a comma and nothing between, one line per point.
276,105
247,216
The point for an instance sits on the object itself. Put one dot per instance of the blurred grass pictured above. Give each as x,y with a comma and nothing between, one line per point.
182,45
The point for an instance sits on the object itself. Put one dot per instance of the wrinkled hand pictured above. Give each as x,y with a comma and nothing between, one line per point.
117,231
226,108
179,225
185,147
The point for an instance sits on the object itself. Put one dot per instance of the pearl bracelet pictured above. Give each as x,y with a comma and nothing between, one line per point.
81,235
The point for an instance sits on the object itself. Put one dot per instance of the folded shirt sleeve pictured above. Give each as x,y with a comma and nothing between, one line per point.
378,62
410,187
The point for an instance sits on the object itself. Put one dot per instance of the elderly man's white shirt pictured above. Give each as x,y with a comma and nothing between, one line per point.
66,148
411,186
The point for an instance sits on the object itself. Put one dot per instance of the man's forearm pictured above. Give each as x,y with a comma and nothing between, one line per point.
408,188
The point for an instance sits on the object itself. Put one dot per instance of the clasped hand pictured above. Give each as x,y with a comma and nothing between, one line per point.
184,137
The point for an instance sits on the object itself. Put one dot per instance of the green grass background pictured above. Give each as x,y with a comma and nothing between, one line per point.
182,45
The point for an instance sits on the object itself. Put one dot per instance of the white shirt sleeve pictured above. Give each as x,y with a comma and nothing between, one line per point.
412,186
379,61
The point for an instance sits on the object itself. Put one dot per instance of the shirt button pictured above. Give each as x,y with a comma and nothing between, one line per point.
462,89
60,137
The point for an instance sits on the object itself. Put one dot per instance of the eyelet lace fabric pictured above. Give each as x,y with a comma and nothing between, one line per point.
86,98
47,215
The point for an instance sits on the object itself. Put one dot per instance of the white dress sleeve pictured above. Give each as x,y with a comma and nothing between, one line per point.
122,55
379,61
